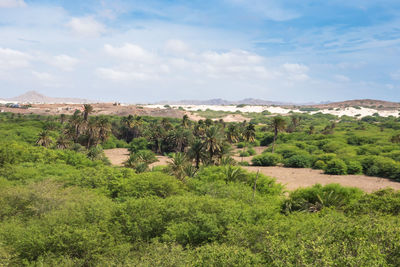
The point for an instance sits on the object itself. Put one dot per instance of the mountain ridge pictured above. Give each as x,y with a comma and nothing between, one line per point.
34,97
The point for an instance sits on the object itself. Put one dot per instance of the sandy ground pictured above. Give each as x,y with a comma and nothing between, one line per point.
118,156
99,109
234,118
294,178
258,149
161,111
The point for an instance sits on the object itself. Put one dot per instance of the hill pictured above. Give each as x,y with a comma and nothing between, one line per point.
367,103
37,98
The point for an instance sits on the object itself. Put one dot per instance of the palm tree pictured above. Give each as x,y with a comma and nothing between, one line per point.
62,118
196,151
249,133
278,124
181,138
62,142
178,165
185,121
294,123
44,139
311,129
136,124
233,174
104,128
232,135
92,133
208,122
199,129
87,109
213,141
156,134
75,126
166,124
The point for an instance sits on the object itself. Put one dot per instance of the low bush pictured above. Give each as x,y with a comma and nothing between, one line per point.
336,167
266,159
381,167
299,161
320,165
318,197
354,167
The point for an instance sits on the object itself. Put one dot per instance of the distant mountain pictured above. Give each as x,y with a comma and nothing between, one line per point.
367,103
219,101
34,97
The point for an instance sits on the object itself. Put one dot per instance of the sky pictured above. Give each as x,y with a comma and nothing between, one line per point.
153,50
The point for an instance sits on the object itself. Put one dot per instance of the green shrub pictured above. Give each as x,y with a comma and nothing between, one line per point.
298,161
251,151
317,197
137,144
266,159
320,165
381,167
244,154
267,139
241,145
354,167
336,167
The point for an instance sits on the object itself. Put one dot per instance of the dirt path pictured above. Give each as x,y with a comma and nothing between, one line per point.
294,178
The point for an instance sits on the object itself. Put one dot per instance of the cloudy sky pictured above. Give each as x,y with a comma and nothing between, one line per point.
145,51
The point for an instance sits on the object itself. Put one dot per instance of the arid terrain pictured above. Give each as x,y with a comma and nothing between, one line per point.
99,109
292,178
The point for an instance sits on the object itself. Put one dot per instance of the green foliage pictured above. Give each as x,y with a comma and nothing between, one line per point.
266,159
381,166
354,167
336,167
319,164
299,161
318,197
244,154
60,208
138,144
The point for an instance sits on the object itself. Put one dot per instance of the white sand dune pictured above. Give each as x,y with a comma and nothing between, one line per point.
350,111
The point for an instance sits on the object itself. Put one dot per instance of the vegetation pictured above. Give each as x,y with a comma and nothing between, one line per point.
62,204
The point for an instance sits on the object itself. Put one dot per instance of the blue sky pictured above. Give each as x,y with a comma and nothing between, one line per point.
146,51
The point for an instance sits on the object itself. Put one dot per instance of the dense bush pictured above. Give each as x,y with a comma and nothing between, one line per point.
266,159
60,208
336,167
299,161
317,197
354,167
381,166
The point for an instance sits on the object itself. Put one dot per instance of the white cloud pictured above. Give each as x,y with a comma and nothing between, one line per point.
64,62
11,59
120,76
12,3
176,46
129,52
86,27
139,64
296,72
43,76
341,78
